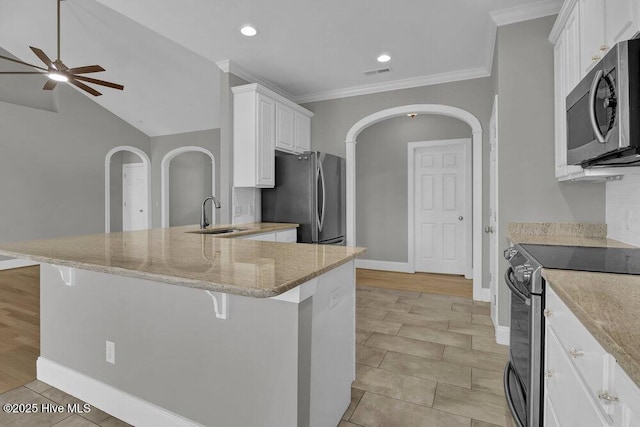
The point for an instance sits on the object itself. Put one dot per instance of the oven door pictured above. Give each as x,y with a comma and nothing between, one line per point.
517,374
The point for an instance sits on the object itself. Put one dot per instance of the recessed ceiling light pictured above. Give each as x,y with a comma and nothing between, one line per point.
384,58
58,77
248,30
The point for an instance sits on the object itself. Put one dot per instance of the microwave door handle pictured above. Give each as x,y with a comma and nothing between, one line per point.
592,107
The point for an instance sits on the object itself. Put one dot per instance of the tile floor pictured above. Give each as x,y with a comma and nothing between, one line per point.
425,360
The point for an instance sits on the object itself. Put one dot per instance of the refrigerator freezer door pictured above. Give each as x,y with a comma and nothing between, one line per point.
331,198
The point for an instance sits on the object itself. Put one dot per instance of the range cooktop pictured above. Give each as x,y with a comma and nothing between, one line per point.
582,258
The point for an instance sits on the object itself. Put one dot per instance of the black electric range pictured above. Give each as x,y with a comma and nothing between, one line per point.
582,258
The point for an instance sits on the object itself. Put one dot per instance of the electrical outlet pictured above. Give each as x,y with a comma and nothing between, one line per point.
111,352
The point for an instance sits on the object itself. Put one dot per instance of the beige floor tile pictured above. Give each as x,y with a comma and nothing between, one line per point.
475,358
470,403
24,395
75,421
482,304
362,337
380,411
370,356
382,326
427,368
471,308
481,319
406,345
478,423
417,320
445,298
426,303
487,381
438,336
7,382
38,386
114,422
433,314
471,328
356,395
370,312
375,296
488,344
383,305
399,292
95,415
398,386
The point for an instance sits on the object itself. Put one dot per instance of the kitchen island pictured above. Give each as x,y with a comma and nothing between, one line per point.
170,327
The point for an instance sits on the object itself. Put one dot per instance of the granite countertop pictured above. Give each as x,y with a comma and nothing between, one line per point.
245,229
606,305
546,233
176,256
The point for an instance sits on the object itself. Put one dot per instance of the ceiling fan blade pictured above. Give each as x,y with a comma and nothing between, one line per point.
22,72
43,56
84,87
23,63
87,69
50,85
99,82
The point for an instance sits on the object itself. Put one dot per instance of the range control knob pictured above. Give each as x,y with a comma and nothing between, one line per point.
523,273
510,253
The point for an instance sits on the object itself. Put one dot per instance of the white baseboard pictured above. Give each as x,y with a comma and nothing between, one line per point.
483,295
124,406
370,264
16,263
502,335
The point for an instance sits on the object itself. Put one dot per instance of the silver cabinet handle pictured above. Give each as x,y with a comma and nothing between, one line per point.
460,218
488,229
575,353
549,373
595,58
547,312
607,398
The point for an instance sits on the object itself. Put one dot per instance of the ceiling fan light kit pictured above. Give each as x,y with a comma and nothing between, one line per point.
57,71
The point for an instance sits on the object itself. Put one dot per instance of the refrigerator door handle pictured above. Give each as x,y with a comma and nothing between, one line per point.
324,194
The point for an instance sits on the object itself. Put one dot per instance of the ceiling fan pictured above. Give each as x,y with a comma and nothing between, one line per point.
57,71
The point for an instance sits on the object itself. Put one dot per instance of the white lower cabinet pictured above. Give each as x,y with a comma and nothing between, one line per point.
583,384
285,236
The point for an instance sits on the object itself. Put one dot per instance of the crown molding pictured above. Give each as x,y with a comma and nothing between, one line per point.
511,15
566,10
454,76
228,66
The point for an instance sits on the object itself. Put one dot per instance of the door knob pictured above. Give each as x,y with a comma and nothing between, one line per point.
488,229
141,210
460,218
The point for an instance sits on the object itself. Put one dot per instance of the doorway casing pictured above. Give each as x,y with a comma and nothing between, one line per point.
479,293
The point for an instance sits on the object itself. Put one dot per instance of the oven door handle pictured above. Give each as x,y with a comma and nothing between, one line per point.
507,390
514,289
592,107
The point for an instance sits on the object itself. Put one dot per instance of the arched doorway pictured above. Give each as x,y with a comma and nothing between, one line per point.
164,178
107,183
444,110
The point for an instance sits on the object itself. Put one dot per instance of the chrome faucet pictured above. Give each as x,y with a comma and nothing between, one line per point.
204,222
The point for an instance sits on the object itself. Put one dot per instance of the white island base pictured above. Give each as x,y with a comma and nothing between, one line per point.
187,357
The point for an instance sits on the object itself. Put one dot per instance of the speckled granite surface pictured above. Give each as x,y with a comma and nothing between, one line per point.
175,256
545,233
607,305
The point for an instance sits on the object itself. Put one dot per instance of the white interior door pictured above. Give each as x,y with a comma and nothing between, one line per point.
493,210
440,204
134,197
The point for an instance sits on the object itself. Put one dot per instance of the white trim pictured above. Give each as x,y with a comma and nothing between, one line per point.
448,77
468,208
493,122
525,12
107,182
563,15
485,295
115,402
228,66
16,263
370,264
164,179
444,110
256,87
502,335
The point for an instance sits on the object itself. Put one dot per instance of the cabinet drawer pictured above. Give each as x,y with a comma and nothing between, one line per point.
624,399
265,237
287,236
573,406
585,354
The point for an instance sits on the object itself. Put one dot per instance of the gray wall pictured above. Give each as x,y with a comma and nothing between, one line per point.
333,118
187,196
528,189
381,180
115,176
52,166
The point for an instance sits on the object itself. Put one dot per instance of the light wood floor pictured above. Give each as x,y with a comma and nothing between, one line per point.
443,284
19,326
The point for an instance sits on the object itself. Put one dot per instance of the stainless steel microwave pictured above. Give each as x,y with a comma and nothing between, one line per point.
603,111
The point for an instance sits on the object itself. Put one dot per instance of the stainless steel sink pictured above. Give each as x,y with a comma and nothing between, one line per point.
218,231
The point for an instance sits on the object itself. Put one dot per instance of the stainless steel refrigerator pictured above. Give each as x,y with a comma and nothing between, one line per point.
310,190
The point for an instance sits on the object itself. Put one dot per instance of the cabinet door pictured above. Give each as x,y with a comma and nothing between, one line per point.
619,21
571,41
284,127
264,237
303,133
591,34
560,114
626,409
266,136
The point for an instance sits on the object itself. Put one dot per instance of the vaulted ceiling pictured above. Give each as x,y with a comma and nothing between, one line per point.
164,52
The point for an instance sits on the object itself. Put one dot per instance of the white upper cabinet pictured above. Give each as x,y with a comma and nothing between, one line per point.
620,21
591,33
264,121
